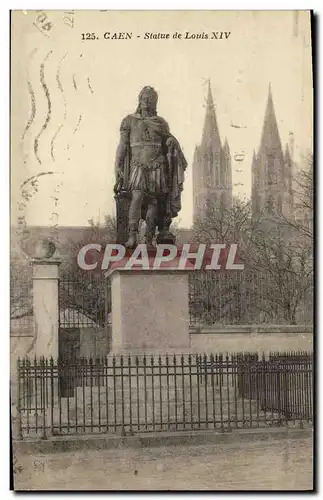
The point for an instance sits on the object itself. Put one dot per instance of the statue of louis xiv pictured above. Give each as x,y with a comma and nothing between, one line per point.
150,169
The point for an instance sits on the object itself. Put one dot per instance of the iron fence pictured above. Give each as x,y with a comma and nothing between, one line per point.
235,297
129,394
84,300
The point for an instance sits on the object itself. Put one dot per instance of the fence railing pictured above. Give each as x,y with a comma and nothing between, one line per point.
247,297
129,394
84,300
235,297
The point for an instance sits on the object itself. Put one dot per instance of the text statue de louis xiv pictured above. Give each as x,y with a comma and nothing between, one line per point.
150,169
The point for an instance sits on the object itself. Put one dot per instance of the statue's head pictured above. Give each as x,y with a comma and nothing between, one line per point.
148,98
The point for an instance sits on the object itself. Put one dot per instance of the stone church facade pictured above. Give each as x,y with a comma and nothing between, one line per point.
212,175
272,170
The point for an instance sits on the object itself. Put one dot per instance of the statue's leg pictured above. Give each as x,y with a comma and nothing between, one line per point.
161,213
134,217
164,221
151,218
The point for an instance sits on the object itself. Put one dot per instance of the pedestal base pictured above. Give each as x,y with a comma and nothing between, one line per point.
149,310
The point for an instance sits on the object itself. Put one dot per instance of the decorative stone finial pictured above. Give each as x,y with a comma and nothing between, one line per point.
45,249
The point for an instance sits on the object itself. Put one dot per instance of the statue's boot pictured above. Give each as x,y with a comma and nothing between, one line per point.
149,237
165,236
151,223
133,236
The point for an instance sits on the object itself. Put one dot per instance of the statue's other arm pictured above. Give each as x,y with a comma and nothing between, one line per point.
173,144
123,146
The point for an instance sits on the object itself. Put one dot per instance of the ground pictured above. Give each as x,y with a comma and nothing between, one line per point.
285,464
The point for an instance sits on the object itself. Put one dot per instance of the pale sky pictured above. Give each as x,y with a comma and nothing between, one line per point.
66,119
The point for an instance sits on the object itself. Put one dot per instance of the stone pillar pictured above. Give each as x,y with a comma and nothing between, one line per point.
45,304
150,311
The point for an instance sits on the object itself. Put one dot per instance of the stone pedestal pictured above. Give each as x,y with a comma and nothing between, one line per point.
149,310
45,304
123,200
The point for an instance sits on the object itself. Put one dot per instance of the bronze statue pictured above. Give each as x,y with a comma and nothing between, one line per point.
150,169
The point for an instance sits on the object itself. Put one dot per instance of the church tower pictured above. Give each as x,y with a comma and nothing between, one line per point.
255,197
212,176
271,179
288,181
226,176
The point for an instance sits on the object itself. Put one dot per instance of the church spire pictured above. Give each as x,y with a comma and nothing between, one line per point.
212,177
254,163
255,185
226,148
254,173
270,139
226,177
210,136
287,154
268,166
288,170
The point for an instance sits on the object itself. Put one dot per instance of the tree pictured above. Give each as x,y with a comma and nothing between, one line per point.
277,253
284,263
219,297
20,288
87,292
301,211
82,291
95,233
223,224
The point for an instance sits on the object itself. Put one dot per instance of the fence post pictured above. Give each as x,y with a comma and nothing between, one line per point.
45,301
18,429
279,393
43,374
286,394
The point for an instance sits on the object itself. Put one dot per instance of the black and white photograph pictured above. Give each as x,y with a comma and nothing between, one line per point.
161,250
